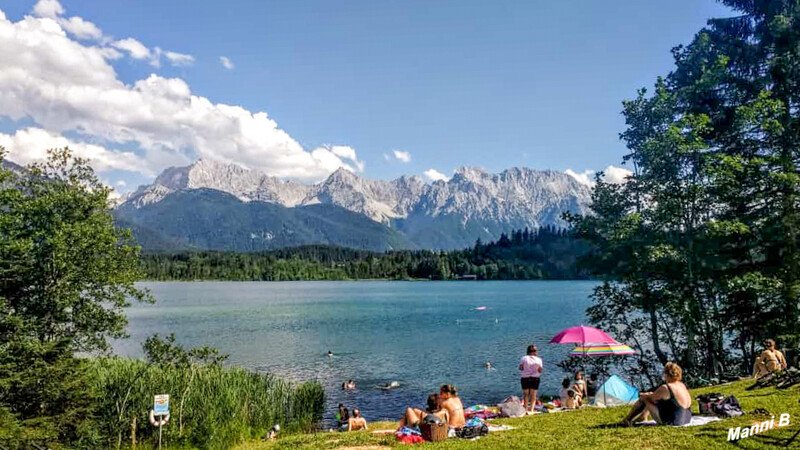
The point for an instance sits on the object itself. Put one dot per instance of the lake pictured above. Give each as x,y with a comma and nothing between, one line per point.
421,334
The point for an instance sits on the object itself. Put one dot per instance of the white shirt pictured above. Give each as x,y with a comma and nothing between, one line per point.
530,366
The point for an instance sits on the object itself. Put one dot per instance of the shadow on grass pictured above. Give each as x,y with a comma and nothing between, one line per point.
609,426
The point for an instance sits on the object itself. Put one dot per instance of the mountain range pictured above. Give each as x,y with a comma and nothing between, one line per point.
219,206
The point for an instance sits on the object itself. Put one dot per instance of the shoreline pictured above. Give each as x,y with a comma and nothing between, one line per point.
410,280
585,428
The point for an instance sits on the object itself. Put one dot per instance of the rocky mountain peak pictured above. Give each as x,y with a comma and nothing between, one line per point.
480,203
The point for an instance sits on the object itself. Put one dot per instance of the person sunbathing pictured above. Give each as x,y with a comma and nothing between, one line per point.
670,404
414,416
357,422
452,403
770,360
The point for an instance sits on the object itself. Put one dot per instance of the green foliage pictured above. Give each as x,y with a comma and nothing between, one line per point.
699,250
545,254
45,396
65,274
210,406
65,271
167,352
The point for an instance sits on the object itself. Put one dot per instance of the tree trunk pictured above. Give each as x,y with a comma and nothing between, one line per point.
133,434
662,358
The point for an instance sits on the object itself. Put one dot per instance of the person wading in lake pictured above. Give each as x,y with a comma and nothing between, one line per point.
670,404
530,367
770,360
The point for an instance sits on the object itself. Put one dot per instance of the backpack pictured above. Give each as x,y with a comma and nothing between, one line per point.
511,407
473,431
705,401
432,418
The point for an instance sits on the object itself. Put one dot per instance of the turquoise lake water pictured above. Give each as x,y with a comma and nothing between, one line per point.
421,334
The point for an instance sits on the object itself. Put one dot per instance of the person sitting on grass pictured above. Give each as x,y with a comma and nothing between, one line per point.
573,400
343,417
770,360
452,404
570,396
413,416
670,404
357,422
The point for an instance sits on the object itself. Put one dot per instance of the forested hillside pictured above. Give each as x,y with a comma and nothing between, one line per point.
548,253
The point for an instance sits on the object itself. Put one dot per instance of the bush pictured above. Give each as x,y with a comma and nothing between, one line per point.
210,406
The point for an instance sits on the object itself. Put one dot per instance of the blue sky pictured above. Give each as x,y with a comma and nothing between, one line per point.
489,84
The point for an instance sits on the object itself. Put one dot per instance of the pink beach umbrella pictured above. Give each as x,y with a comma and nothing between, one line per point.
582,335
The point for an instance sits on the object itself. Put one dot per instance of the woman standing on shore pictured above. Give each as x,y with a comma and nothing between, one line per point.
530,367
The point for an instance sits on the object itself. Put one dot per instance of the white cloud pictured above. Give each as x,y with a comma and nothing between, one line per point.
226,62
63,85
435,175
48,8
31,144
402,156
81,29
135,49
611,174
179,59
616,175
348,153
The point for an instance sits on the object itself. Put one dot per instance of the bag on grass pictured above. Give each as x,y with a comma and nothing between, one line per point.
728,407
473,431
705,402
511,407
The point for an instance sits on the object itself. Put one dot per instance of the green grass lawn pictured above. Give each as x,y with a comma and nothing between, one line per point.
589,428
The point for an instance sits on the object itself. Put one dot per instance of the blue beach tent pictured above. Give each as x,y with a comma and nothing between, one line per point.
615,391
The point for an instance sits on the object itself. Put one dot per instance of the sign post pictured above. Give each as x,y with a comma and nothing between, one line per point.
161,409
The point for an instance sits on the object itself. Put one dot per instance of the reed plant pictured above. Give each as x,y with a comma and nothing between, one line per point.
211,406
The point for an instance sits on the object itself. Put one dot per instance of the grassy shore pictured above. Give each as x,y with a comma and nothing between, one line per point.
588,428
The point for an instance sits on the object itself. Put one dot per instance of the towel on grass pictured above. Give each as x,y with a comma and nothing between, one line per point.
696,421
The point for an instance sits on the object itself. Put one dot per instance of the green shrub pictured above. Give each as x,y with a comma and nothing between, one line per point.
210,406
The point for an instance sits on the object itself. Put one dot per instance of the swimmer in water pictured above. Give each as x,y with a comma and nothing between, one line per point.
488,365
330,353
